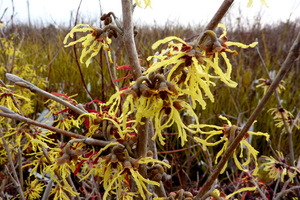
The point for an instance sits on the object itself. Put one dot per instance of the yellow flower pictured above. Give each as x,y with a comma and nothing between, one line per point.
214,47
63,192
251,1
34,189
278,168
35,137
6,99
266,84
8,47
185,68
188,65
37,165
157,99
64,117
91,43
229,132
63,168
147,3
287,116
116,168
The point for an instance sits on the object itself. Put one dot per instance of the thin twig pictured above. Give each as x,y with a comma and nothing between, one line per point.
283,192
216,18
262,194
76,56
219,15
22,83
47,190
12,167
277,184
86,140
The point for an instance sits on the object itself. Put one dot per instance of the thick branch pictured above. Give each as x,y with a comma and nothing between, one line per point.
288,63
129,39
142,129
219,15
136,70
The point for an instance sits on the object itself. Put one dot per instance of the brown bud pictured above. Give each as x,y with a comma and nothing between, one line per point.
115,33
157,177
177,105
97,121
64,159
149,153
107,20
188,194
135,163
164,178
103,17
127,164
171,87
110,34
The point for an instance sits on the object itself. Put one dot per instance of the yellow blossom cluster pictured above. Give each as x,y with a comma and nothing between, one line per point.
229,132
91,43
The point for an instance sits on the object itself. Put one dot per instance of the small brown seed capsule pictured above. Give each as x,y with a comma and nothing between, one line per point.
107,20
110,34
103,17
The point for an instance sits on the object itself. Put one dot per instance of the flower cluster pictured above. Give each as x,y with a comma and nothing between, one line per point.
91,43
266,84
116,168
189,65
280,115
157,99
278,168
63,117
11,100
229,132
182,69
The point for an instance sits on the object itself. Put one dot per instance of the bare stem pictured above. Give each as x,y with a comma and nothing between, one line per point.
129,38
219,15
47,190
283,192
86,140
76,56
288,63
22,83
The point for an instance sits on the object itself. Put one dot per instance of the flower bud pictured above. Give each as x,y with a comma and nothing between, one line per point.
103,17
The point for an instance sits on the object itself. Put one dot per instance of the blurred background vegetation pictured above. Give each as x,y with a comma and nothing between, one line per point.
43,50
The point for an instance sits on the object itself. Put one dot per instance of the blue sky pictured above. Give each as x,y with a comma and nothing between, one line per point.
191,11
